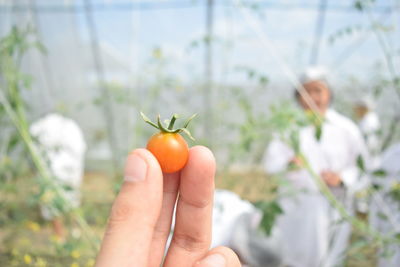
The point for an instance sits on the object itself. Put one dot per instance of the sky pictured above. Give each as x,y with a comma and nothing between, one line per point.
129,35
273,40
291,31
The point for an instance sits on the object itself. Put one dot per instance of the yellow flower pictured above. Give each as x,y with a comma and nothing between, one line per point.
47,197
24,241
361,194
40,262
90,263
33,226
27,259
74,264
157,53
396,186
75,254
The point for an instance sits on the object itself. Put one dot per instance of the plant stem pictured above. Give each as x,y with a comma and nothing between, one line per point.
19,122
324,189
387,55
171,123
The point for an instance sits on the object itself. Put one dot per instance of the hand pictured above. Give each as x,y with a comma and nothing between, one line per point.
331,178
140,220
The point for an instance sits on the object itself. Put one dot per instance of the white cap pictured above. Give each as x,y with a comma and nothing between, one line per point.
314,73
366,101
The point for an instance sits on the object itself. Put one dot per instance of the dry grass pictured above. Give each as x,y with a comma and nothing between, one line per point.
19,237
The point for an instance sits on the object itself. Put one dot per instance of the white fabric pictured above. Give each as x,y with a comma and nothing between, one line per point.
228,207
314,73
382,203
370,126
62,144
309,224
227,210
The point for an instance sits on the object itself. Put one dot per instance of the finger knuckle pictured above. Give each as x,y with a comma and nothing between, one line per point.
199,203
190,242
121,211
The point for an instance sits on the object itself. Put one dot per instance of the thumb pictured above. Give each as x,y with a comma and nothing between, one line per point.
134,213
219,257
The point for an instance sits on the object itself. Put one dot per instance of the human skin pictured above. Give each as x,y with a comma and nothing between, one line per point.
141,216
320,94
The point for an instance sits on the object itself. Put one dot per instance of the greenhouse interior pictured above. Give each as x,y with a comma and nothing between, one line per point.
202,133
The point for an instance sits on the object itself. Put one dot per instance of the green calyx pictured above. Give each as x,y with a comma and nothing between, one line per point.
170,123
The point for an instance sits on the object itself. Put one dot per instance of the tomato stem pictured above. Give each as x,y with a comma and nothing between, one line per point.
170,128
147,120
171,123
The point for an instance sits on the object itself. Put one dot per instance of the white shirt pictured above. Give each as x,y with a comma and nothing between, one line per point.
383,204
370,126
306,225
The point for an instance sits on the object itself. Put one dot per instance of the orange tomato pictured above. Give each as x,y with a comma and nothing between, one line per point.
170,149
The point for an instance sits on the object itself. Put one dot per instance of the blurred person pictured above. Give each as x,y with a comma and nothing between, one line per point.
385,213
236,225
62,144
310,229
141,216
369,124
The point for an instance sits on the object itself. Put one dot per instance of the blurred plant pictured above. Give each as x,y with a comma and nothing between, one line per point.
385,82
13,81
253,131
12,47
386,77
287,123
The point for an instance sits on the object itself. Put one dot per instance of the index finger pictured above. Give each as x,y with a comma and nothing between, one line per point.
134,213
192,233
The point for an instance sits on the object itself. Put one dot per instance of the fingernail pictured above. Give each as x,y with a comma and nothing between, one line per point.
213,260
135,169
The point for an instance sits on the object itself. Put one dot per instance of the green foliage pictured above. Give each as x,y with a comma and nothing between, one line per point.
361,5
379,173
51,193
12,48
394,192
271,210
287,121
347,31
360,163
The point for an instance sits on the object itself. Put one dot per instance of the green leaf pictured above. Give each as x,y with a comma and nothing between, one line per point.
382,216
13,142
360,163
263,80
376,187
397,236
147,120
318,132
359,5
295,141
186,131
271,210
379,173
189,120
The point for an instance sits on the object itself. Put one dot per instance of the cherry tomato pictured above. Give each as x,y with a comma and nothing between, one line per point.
168,146
170,149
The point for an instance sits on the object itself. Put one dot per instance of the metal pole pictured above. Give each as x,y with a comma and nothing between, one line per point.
99,68
208,73
48,73
319,29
